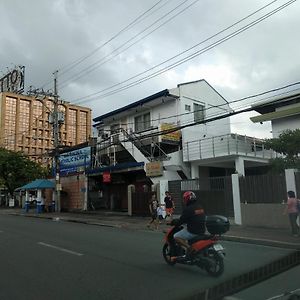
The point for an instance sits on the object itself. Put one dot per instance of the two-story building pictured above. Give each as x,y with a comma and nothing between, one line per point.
168,136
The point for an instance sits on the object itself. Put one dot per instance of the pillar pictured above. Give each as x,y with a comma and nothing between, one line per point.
130,190
239,166
290,180
236,199
194,171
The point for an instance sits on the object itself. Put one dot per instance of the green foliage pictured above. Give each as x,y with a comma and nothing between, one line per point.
17,170
287,144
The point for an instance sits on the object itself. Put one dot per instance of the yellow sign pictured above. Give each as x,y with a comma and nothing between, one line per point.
173,136
154,168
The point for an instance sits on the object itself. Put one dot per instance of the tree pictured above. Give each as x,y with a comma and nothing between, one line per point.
287,144
17,170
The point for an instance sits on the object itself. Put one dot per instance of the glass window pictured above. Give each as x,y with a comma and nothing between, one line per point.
198,112
142,122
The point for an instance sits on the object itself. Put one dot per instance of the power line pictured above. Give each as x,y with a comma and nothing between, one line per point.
185,59
76,62
102,61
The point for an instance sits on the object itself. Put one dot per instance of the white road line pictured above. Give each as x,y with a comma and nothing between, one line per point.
60,249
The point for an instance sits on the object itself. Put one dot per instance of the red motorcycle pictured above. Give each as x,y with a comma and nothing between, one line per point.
208,253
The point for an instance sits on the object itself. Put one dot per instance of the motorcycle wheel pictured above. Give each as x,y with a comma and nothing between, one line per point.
216,267
166,254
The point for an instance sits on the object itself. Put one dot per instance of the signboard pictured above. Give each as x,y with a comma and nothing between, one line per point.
75,161
13,81
171,137
154,168
106,177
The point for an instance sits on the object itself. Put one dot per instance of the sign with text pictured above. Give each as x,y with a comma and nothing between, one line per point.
169,137
154,168
13,81
75,161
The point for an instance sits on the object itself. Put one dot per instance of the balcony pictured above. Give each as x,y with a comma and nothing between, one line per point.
226,145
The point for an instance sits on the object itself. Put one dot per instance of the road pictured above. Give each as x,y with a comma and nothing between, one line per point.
45,259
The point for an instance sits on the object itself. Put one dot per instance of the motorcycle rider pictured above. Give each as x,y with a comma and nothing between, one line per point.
194,217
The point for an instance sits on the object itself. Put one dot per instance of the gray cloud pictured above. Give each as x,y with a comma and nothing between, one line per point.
48,35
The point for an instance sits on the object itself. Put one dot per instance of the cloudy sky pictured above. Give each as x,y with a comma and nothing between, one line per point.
100,47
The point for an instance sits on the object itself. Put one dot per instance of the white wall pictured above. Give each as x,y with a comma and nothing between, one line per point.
279,125
202,93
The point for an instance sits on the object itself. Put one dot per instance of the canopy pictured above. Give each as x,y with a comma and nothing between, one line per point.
37,184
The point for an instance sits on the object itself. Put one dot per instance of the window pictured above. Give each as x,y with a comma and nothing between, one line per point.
187,107
142,122
198,112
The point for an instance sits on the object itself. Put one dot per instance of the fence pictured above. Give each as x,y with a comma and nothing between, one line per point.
215,194
269,188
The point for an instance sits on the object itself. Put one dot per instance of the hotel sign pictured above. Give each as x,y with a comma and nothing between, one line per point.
13,81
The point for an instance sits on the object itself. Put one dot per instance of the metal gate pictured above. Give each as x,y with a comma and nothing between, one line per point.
297,179
214,193
140,203
268,188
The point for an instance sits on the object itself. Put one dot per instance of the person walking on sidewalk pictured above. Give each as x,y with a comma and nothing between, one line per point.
169,205
292,210
153,204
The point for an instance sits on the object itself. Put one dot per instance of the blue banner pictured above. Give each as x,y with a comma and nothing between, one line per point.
75,161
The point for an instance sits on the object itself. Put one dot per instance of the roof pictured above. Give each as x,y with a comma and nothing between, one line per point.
37,184
270,104
133,105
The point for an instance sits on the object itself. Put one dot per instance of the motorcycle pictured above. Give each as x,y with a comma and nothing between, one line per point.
207,253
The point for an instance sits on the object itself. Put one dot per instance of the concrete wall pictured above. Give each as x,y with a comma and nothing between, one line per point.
264,215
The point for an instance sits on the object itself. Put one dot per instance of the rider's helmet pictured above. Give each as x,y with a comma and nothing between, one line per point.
189,197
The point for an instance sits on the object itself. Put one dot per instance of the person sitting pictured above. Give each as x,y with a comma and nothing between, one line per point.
194,217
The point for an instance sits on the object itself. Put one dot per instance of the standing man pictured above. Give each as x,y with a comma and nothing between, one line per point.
153,204
169,205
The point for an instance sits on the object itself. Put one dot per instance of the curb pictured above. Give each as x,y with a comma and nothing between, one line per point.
262,242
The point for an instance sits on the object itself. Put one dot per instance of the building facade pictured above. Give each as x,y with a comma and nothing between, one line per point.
25,125
283,111
171,135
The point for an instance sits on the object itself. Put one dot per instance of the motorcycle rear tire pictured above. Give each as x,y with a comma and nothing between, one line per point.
217,268
166,254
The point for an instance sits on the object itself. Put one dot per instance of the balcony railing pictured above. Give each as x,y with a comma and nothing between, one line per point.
225,145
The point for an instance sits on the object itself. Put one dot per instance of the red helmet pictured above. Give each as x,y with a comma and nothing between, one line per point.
188,197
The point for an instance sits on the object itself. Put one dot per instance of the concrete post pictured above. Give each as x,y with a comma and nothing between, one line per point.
236,199
85,200
290,180
39,201
194,171
130,190
26,201
163,187
239,166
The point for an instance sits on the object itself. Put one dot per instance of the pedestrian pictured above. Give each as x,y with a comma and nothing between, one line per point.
292,210
160,213
169,204
153,204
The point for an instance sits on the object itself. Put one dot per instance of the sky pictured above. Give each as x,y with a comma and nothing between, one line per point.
100,47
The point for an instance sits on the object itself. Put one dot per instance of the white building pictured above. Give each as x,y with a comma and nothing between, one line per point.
170,135
283,111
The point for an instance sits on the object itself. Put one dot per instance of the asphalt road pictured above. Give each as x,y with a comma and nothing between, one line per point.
44,259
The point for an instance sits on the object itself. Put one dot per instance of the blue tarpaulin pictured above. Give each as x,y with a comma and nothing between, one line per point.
37,184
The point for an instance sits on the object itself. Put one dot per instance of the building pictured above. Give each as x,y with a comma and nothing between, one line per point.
172,135
25,124
283,111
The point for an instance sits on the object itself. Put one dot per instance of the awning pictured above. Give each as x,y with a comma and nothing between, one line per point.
37,184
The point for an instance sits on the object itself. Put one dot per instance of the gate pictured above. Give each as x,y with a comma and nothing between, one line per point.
140,203
214,193
268,188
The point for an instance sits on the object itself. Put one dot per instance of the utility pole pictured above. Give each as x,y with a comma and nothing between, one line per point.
56,126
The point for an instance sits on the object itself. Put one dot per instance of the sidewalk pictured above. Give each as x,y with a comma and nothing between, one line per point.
256,235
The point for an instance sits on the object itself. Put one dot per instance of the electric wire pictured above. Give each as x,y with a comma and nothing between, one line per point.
102,61
179,62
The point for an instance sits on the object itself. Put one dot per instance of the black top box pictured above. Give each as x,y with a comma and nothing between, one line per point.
216,224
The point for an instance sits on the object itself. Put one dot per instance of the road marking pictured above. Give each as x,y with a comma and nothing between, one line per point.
60,249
